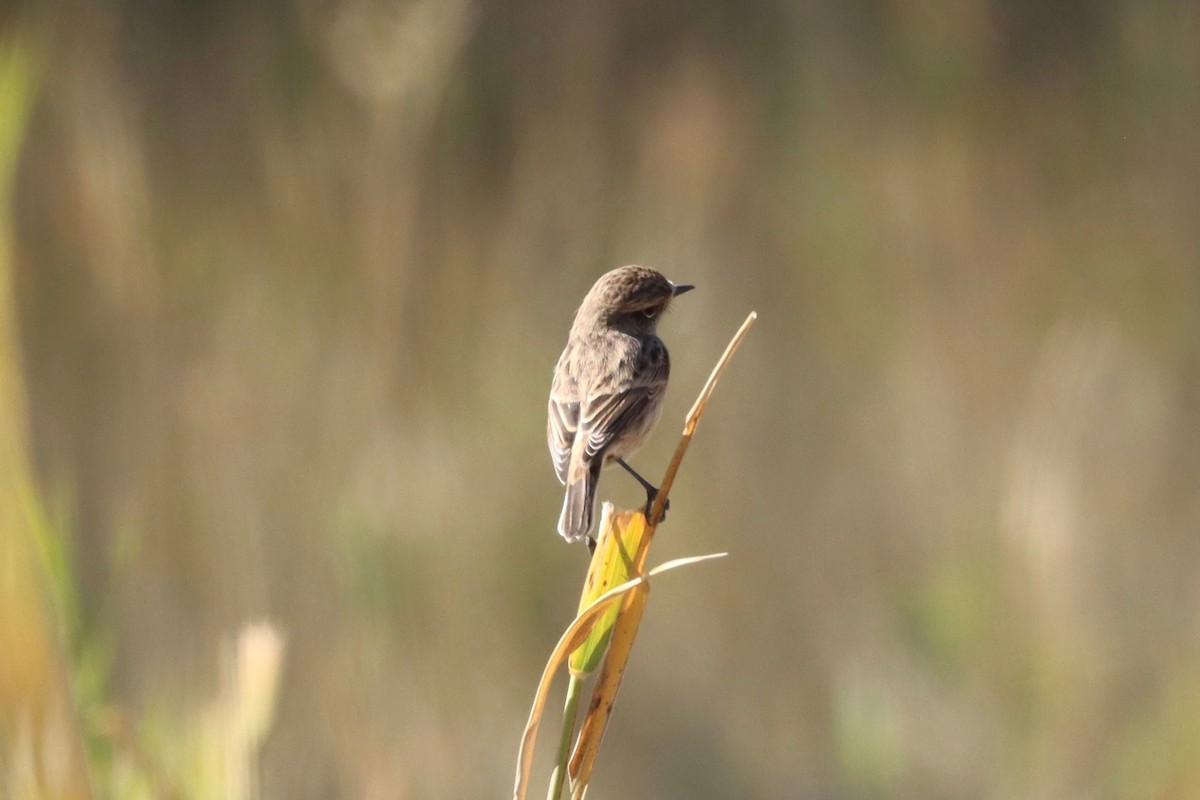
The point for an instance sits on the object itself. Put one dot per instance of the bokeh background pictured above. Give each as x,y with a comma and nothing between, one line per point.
283,284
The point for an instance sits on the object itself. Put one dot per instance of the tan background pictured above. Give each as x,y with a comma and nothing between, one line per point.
289,282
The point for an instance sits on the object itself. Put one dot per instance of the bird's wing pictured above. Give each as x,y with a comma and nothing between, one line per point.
605,416
562,421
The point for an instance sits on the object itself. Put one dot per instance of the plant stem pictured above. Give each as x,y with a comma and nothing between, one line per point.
570,711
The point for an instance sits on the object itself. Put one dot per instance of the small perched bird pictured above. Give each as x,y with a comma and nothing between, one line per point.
608,387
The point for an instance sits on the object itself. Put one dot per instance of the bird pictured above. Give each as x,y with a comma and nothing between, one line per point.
607,391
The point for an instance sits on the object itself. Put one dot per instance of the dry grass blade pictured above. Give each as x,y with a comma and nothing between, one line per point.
591,733
689,428
706,391
572,637
604,696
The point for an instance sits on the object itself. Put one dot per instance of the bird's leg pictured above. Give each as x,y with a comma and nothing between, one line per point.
651,489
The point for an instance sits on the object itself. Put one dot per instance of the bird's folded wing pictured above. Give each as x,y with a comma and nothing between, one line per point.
606,417
561,423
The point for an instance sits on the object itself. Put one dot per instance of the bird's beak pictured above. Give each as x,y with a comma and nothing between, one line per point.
680,288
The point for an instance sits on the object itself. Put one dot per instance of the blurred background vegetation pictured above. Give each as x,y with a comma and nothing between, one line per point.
281,288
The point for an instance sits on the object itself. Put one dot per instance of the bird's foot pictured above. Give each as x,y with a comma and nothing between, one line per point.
651,496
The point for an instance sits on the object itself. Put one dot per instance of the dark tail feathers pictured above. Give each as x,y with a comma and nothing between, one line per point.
579,504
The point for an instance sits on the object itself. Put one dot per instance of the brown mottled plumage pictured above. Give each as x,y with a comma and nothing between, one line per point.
608,385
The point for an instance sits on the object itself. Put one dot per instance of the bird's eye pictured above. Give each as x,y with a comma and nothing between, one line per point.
648,312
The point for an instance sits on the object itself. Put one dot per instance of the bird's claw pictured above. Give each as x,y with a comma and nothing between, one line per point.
650,498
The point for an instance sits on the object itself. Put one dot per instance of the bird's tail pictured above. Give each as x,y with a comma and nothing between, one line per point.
580,502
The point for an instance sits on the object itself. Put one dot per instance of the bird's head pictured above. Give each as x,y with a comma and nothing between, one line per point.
633,298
